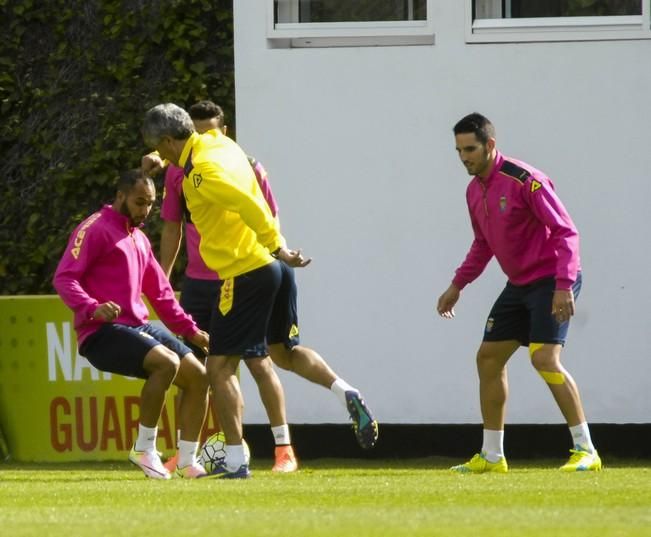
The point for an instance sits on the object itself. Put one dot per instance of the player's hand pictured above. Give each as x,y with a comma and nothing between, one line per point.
563,305
294,258
107,312
201,340
151,164
447,300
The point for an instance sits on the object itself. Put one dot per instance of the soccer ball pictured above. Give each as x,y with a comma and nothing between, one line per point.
213,451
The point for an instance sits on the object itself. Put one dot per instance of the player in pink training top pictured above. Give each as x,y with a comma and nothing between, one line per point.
517,217
200,293
106,267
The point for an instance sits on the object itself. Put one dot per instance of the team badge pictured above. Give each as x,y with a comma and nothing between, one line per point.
502,204
489,324
196,179
535,185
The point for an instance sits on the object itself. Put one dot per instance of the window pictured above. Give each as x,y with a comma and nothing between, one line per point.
557,20
328,23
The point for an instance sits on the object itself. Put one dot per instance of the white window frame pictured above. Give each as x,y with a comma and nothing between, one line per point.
558,28
347,34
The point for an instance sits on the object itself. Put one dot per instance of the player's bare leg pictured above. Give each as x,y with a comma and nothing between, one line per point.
493,381
547,361
193,405
546,358
273,399
492,358
303,361
162,365
309,364
270,388
229,405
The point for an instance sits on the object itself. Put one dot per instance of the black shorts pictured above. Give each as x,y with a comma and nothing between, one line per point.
121,349
524,313
255,310
198,298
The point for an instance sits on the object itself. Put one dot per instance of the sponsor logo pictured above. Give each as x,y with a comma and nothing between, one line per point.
535,185
79,239
489,324
196,179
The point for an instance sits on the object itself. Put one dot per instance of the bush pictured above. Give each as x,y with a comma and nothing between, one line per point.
75,80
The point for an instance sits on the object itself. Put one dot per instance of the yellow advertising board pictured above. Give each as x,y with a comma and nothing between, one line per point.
55,406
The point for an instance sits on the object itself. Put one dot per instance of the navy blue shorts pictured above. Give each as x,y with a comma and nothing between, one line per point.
198,298
254,310
524,313
121,349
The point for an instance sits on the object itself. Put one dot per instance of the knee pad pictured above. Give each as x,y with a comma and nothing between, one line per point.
550,377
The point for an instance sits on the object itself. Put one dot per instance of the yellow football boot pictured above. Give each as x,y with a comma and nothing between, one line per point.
582,461
480,465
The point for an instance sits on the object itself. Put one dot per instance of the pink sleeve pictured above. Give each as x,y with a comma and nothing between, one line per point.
263,181
476,259
171,208
549,209
156,287
84,245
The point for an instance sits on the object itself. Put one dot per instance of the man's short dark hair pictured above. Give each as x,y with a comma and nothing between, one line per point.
127,180
476,124
207,110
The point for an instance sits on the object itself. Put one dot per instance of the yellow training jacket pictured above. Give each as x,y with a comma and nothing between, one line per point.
226,205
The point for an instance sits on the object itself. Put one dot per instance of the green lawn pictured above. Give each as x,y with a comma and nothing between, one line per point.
331,498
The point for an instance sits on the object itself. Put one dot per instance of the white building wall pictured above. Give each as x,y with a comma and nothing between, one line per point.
360,153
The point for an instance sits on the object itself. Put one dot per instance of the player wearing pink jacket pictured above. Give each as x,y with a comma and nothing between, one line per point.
517,217
527,228
106,267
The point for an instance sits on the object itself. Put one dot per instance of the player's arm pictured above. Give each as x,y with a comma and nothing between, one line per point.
549,209
171,212
253,212
264,184
78,257
156,287
170,243
473,265
476,259
152,163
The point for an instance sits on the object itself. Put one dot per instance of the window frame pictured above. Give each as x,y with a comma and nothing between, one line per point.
522,30
349,34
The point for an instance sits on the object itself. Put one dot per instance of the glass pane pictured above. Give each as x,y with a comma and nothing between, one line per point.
555,8
350,10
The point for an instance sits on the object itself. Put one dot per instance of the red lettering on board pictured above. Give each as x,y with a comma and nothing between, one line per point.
91,444
111,426
61,434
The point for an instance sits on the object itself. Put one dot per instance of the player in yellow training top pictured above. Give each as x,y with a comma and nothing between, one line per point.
241,241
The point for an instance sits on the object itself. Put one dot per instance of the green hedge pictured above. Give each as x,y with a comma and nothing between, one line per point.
75,80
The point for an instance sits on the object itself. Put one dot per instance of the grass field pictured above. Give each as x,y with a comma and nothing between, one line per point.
328,497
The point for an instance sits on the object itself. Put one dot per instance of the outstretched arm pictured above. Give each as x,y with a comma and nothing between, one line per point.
170,242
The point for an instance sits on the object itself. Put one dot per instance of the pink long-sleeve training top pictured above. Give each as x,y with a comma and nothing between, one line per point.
109,260
517,217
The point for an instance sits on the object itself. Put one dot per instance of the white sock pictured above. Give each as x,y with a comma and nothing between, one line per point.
581,437
187,453
234,457
493,446
281,435
146,440
340,387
